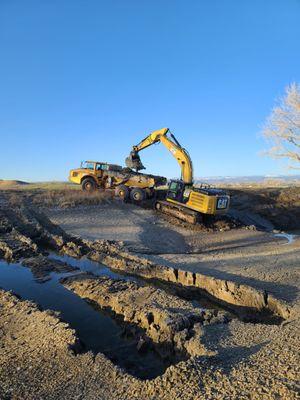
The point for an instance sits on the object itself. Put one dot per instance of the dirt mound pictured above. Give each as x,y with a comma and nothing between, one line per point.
7,183
281,206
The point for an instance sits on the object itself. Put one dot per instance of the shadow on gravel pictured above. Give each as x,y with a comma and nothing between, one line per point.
231,356
226,357
156,238
239,243
142,231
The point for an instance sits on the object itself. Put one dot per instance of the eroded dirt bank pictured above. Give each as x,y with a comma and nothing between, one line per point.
172,324
240,360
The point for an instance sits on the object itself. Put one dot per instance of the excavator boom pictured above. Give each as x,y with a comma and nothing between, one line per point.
172,144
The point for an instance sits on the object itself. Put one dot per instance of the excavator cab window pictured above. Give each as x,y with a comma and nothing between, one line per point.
175,192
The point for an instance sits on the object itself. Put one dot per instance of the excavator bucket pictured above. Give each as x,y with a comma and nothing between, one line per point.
133,161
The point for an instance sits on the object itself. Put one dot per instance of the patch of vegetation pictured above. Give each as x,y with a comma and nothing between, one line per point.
66,197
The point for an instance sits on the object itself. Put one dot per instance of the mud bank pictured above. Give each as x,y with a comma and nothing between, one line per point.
172,324
38,360
237,297
22,233
11,304
27,234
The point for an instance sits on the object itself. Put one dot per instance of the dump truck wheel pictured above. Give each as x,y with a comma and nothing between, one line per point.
88,185
137,194
122,191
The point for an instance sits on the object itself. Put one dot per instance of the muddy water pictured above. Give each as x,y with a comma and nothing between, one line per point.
86,265
289,236
98,331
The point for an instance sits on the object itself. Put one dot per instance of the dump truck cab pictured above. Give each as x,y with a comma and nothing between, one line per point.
93,174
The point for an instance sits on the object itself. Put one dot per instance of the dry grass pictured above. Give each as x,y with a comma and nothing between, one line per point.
71,198
24,186
63,198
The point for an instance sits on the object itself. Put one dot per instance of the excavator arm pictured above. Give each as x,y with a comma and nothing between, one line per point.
171,143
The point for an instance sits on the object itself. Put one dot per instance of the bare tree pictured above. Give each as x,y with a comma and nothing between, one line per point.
282,128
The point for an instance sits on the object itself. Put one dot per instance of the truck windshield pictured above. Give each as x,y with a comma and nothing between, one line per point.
87,165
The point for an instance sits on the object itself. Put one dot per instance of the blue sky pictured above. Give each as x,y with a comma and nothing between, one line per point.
88,79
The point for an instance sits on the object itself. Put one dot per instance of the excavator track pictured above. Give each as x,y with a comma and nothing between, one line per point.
180,212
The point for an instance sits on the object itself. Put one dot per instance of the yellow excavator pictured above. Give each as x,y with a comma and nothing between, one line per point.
183,199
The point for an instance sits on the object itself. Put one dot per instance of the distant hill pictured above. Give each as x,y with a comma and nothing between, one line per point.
4,183
255,179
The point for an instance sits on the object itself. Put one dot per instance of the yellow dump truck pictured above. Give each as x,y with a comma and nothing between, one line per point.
93,175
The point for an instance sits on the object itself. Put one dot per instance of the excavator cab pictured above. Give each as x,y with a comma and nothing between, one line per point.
176,190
